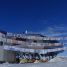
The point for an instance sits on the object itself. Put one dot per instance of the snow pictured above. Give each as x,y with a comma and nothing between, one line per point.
58,59
48,64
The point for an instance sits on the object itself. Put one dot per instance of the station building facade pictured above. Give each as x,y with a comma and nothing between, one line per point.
14,46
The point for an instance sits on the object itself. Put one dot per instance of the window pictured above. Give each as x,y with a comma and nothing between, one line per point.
50,41
35,41
54,41
15,44
21,39
1,43
45,41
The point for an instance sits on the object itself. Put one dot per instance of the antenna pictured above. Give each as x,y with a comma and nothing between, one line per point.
26,31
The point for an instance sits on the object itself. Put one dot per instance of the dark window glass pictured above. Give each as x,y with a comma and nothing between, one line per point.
50,41
21,39
15,44
35,41
1,43
53,41
45,41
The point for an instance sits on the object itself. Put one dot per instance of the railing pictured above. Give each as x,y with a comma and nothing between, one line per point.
41,51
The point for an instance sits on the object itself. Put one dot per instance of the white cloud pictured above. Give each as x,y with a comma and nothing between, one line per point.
56,31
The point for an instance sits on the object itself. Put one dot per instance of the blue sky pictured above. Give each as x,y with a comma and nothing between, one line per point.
33,15
46,16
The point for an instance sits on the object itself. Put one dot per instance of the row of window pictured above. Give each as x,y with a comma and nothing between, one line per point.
43,41
35,41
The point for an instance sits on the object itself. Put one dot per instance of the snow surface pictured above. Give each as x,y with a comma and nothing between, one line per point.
58,59
48,64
